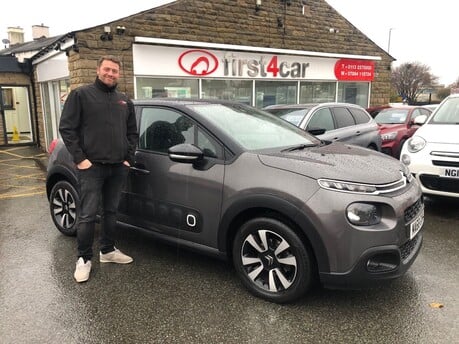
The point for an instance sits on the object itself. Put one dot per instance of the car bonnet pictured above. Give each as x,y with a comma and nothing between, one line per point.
339,162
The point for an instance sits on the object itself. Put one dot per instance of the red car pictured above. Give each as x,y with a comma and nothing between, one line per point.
396,125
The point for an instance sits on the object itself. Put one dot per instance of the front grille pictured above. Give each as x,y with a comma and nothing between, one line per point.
412,211
445,163
408,247
437,183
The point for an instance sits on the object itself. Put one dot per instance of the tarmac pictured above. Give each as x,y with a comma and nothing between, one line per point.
29,152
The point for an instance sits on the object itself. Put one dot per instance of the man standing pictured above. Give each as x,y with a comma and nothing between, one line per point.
98,127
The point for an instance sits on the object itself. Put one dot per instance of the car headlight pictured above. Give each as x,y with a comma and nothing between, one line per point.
336,185
363,214
389,136
415,144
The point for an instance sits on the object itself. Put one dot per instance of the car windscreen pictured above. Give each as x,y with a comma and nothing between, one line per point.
253,129
447,113
392,116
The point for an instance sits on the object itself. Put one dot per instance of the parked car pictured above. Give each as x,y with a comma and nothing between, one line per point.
343,122
374,110
286,208
396,125
432,154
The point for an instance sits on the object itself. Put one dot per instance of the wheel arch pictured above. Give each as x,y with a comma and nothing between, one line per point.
272,207
56,174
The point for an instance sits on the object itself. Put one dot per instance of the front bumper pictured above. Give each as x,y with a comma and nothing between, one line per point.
393,260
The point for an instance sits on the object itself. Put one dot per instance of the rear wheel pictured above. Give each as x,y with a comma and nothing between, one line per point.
64,204
271,260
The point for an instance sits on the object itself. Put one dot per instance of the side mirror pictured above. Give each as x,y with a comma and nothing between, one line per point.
185,152
316,131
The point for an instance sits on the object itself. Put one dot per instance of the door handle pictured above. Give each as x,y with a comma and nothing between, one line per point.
139,170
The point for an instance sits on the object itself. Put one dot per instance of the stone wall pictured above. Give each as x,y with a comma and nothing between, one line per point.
275,25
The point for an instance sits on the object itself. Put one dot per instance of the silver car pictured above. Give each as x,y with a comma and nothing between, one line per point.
238,183
343,122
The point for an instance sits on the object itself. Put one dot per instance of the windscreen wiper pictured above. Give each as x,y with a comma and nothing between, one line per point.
299,147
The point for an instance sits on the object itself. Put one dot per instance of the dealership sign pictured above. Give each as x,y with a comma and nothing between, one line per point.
354,70
153,60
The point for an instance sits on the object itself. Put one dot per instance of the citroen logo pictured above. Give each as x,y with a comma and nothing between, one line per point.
269,260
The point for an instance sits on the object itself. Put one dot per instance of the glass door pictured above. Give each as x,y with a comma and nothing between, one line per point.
15,106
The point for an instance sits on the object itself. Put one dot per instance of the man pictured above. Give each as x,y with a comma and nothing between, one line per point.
98,127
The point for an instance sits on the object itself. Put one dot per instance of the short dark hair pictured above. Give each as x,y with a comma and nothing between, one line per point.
112,58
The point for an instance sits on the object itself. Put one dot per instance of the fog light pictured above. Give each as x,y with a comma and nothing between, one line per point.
383,262
363,214
406,159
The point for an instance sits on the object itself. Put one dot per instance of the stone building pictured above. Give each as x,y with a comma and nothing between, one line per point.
256,52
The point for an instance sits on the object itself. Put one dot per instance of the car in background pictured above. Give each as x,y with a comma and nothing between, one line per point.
238,183
432,154
396,125
344,122
374,110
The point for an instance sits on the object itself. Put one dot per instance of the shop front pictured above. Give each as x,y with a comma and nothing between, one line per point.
255,76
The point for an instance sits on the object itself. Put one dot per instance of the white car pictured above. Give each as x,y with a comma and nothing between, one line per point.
432,154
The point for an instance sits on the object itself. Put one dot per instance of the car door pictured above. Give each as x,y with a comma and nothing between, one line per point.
321,118
172,198
345,129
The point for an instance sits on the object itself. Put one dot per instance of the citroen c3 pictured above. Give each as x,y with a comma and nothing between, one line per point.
286,208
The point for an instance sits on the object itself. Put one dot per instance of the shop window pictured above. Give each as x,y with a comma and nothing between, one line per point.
147,88
317,92
354,93
236,90
275,92
7,97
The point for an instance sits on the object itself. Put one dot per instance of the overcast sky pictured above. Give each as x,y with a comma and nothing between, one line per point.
419,31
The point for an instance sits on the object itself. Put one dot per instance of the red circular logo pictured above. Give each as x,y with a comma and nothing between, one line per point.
198,62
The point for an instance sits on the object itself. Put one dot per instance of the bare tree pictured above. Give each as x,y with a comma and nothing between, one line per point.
410,79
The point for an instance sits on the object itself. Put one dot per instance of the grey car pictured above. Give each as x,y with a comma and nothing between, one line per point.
286,208
343,122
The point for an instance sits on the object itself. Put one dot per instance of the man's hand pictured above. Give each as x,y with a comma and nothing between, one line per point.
85,164
125,162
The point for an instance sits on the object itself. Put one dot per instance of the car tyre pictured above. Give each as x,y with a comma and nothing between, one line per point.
272,261
64,207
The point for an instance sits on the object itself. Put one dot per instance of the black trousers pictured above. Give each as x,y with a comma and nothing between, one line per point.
100,188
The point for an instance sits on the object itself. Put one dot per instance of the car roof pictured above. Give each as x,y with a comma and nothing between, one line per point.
180,101
310,105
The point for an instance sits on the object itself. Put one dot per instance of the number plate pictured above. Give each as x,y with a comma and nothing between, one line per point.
416,225
450,173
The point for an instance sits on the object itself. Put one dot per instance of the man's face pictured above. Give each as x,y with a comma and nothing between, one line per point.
108,72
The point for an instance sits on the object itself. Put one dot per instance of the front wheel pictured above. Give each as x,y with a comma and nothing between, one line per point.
271,260
64,205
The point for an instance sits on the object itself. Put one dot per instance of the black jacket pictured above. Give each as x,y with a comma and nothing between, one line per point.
98,123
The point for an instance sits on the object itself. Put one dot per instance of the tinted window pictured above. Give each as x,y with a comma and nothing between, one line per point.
360,115
321,119
161,129
343,117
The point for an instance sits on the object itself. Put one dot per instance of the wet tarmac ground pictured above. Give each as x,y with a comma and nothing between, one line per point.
170,295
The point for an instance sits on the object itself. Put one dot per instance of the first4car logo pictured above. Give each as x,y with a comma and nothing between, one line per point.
198,62
201,63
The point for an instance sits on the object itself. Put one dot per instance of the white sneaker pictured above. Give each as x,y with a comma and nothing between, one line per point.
115,256
82,270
